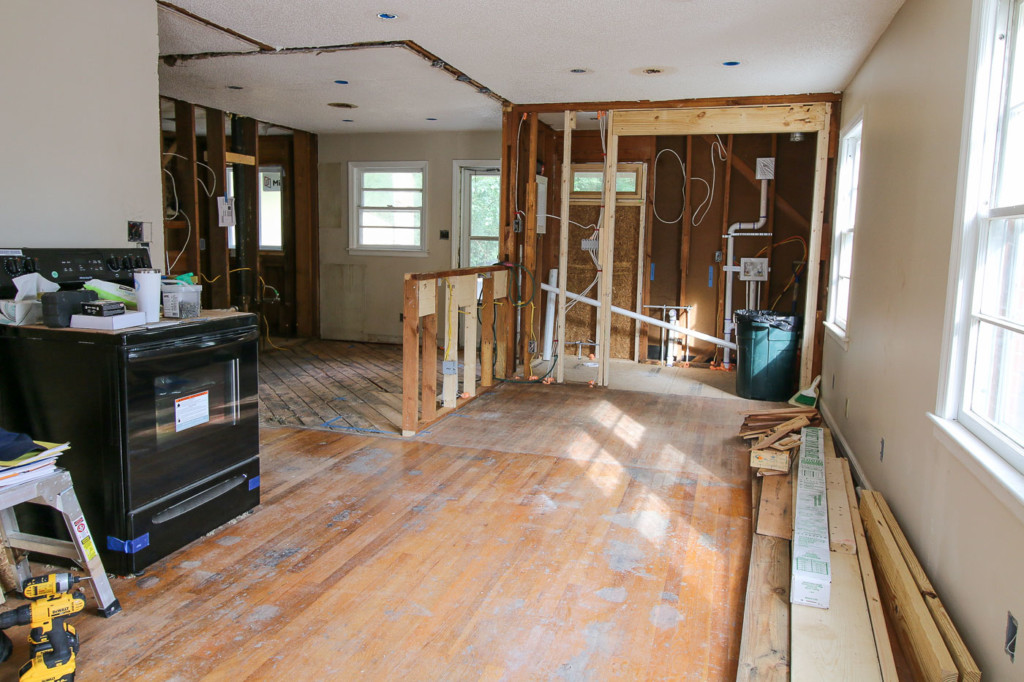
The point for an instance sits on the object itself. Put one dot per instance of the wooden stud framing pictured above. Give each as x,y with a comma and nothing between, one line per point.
641,261
814,252
469,347
606,253
487,334
527,314
428,338
410,358
563,242
684,238
723,275
307,240
217,281
187,189
740,120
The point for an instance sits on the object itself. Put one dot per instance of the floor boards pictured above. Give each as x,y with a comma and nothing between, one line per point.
548,533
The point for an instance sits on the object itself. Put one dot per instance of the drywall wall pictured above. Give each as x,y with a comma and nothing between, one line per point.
361,296
911,90
80,121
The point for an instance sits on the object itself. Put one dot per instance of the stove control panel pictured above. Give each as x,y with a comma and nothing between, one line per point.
71,267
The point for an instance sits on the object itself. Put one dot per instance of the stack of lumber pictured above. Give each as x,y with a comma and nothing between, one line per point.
774,437
850,639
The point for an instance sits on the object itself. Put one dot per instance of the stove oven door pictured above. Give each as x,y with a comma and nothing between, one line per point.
192,411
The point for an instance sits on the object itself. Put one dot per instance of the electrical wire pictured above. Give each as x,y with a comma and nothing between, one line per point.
697,218
177,212
654,202
213,174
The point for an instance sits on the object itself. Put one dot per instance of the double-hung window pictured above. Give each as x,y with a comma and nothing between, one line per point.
387,206
845,221
986,386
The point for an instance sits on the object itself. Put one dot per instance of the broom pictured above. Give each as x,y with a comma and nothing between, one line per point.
807,397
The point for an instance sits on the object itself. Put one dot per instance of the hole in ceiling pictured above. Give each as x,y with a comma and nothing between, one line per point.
341,105
730,63
341,82
387,16
578,70
653,71
431,118
348,120
234,87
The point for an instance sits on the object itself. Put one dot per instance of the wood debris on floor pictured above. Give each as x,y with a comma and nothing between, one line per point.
883,620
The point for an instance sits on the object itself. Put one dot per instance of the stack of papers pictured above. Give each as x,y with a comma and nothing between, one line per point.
31,465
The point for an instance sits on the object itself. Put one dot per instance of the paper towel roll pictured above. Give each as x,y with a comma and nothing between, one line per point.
147,288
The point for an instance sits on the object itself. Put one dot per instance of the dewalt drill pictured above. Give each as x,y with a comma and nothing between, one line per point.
53,641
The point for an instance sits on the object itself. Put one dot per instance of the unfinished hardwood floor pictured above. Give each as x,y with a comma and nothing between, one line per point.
336,385
547,533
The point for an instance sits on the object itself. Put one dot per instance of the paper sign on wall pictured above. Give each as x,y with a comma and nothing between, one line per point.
271,181
226,211
191,410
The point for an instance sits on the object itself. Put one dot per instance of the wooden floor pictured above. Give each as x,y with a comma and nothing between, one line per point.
333,385
556,533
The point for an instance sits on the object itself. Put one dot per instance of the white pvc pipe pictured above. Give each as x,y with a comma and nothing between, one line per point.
649,320
549,321
729,269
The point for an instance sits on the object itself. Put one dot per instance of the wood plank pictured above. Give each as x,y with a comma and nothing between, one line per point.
835,643
219,257
410,358
487,334
606,255
469,351
740,120
242,159
814,251
457,272
527,317
764,643
840,525
775,513
968,669
692,103
918,634
563,241
781,431
428,391
307,238
883,647
770,459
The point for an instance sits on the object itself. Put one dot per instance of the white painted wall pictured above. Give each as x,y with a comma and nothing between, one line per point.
80,121
911,90
361,296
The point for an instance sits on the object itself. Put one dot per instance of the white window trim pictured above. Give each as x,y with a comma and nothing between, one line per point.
989,456
842,332
355,168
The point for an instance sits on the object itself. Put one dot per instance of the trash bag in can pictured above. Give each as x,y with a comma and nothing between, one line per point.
766,346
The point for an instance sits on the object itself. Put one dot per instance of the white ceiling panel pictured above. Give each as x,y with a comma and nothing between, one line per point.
181,34
524,50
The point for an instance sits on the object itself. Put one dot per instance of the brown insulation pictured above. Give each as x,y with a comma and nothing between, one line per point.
580,320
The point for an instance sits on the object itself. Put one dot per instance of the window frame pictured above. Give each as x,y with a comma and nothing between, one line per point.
356,171
854,131
992,32
634,168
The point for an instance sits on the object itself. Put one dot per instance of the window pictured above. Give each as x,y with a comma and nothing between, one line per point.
588,181
986,379
387,206
479,215
271,179
845,221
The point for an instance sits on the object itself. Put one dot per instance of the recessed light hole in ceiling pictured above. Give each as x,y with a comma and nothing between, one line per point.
430,118
731,63
387,16
653,71
578,71
234,87
341,82
341,105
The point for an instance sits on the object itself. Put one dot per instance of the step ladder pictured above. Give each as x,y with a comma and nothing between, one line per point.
55,490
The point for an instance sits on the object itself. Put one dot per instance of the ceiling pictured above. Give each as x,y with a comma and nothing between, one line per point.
287,56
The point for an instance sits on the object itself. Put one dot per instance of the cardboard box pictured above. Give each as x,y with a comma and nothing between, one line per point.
21,312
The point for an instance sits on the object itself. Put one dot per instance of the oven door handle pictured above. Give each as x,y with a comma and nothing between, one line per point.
200,346
199,500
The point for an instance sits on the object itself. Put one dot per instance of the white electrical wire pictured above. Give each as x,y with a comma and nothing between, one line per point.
705,205
177,212
213,174
654,202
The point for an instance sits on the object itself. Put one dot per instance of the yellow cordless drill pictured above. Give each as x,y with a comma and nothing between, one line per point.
53,642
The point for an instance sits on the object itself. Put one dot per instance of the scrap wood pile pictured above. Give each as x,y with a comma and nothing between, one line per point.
830,573
774,437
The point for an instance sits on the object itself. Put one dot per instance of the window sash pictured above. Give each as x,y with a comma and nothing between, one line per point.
847,184
388,206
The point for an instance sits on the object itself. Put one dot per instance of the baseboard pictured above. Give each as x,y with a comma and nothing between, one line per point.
844,446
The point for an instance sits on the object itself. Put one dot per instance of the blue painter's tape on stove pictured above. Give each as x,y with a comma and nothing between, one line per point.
128,546
254,482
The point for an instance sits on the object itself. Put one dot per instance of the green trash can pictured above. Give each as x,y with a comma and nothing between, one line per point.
766,346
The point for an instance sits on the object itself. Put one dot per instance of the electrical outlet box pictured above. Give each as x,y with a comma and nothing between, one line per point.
136,232
531,346
589,245
753,269
765,169
449,367
517,224
718,256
